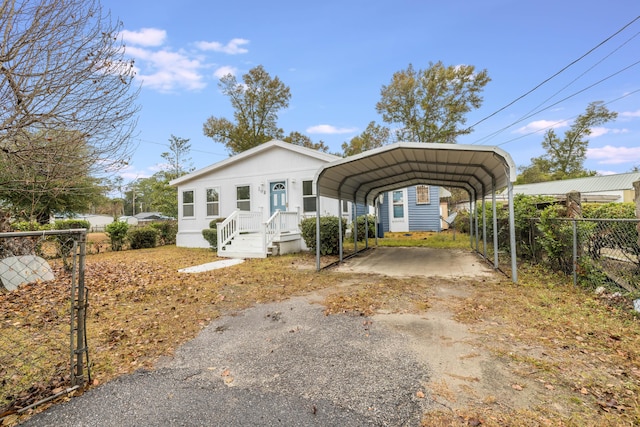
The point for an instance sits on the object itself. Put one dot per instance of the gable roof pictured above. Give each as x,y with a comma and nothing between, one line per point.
325,157
591,184
360,178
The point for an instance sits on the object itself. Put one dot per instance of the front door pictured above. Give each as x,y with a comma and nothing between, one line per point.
398,217
278,196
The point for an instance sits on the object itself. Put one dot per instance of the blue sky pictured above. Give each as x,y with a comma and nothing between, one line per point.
336,55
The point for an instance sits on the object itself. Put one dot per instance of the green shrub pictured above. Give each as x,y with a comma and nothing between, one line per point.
71,224
361,226
117,232
142,238
29,226
211,234
167,231
329,240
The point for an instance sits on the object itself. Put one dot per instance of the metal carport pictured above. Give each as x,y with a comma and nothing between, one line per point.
480,170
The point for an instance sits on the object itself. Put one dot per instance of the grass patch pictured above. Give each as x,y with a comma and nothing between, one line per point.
428,239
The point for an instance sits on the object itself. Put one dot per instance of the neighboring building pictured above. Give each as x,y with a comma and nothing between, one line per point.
616,188
416,208
274,176
147,217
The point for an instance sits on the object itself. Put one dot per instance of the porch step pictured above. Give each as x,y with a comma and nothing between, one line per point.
244,246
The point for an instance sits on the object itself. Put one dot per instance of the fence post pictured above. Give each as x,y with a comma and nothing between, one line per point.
81,347
574,210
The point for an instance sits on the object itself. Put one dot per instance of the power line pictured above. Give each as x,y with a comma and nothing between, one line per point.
533,113
556,74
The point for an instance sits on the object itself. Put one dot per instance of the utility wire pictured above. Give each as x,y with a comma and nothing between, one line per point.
533,113
560,121
530,113
556,74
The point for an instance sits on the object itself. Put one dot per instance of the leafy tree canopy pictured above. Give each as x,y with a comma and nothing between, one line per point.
373,136
304,141
564,158
256,103
430,105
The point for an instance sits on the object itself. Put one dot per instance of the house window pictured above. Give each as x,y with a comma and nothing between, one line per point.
213,202
188,205
308,198
398,204
243,198
422,195
345,206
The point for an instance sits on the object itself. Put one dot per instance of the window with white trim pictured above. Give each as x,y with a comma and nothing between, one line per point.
243,197
188,203
308,198
213,201
422,195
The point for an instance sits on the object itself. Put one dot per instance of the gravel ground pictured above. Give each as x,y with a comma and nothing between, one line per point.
275,364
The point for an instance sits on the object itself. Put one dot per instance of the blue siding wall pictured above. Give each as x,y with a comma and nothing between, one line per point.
421,217
424,217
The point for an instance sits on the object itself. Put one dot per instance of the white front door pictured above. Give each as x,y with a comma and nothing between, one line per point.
398,212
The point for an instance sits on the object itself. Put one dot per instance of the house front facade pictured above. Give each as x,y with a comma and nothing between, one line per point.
273,177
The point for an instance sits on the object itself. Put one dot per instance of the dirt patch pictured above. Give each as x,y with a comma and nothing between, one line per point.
463,372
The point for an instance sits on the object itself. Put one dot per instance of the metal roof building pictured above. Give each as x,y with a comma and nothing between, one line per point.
605,188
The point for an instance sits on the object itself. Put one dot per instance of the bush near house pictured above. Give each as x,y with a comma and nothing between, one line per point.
211,234
371,220
167,231
329,242
142,238
117,232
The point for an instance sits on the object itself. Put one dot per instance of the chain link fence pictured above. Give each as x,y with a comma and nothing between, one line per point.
596,252
43,348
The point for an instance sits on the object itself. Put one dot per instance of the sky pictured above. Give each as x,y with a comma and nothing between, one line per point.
547,60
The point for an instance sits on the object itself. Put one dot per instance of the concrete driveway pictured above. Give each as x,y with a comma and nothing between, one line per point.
418,262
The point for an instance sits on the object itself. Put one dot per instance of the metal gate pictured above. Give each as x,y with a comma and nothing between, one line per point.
43,301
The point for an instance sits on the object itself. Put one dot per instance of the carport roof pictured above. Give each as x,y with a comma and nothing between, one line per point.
361,178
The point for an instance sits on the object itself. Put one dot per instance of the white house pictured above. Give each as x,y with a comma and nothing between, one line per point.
262,194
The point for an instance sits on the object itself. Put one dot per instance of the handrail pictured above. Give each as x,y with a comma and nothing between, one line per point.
227,230
249,222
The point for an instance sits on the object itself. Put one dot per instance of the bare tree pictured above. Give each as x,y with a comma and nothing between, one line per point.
63,72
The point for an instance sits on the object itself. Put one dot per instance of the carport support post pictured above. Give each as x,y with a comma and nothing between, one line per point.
495,226
340,227
318,226
484,223
512,234
355,227
366,227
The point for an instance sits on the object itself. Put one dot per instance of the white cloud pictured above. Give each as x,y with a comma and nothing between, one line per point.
540,126
610,155
145,37
629,114
166,71
599,131
223,71
231,48
328,129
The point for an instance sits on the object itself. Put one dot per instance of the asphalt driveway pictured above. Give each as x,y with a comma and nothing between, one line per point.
284,364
